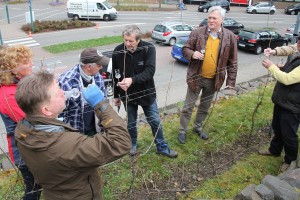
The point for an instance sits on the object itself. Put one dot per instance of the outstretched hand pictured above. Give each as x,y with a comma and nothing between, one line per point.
269,52
93,95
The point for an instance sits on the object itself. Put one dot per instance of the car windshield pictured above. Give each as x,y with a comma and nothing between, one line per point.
107,5
256,4
247,34
296,5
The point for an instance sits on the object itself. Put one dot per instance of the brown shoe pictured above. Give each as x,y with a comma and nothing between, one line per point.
284,167
266,152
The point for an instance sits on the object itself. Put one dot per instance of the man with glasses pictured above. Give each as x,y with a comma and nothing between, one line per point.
78,113
286,99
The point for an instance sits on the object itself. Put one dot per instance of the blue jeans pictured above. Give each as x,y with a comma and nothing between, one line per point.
152,116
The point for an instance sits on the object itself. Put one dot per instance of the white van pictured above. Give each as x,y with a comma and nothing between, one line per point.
91,9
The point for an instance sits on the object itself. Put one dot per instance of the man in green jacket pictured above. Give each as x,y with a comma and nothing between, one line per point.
63,161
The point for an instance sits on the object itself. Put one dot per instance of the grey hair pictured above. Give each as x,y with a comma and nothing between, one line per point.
132,29
221,10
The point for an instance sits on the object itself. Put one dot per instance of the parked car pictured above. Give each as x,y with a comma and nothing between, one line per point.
223,3
261,7
195,1
177,49
257,41
228,23
293,9
169,32
290,32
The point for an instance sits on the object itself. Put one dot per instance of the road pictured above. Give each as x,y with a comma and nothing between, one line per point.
170,75
43,11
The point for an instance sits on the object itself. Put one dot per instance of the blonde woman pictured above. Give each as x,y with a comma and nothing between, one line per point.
15,63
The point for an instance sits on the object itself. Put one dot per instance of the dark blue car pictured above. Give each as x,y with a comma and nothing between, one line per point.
177,49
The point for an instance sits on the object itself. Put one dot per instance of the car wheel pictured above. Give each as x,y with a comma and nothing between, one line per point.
253,12
75,17
106,18
293,13
205,10
258,50
272,12
172,41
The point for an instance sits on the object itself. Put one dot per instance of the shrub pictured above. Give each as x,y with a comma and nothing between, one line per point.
45,26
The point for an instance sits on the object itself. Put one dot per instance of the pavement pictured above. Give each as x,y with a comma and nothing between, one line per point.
14,31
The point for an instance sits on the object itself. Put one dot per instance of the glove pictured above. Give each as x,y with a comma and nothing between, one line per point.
93,95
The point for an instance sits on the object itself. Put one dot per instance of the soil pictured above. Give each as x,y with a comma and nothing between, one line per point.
186,178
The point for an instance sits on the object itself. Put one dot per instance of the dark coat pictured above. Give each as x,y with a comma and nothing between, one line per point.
226,62
288,96
64,162
140,66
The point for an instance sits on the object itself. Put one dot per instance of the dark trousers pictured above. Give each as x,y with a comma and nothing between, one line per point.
32,190
285,125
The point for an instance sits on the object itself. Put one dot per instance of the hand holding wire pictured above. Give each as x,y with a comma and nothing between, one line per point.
267,63
125,83
268,52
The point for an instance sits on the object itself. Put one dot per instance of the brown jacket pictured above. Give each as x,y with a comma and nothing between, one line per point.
63,161
226,62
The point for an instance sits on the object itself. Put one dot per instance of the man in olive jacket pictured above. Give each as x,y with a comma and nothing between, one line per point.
63,161
212,52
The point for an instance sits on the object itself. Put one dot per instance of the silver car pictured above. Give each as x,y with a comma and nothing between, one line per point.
261,7
169,32
290,32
